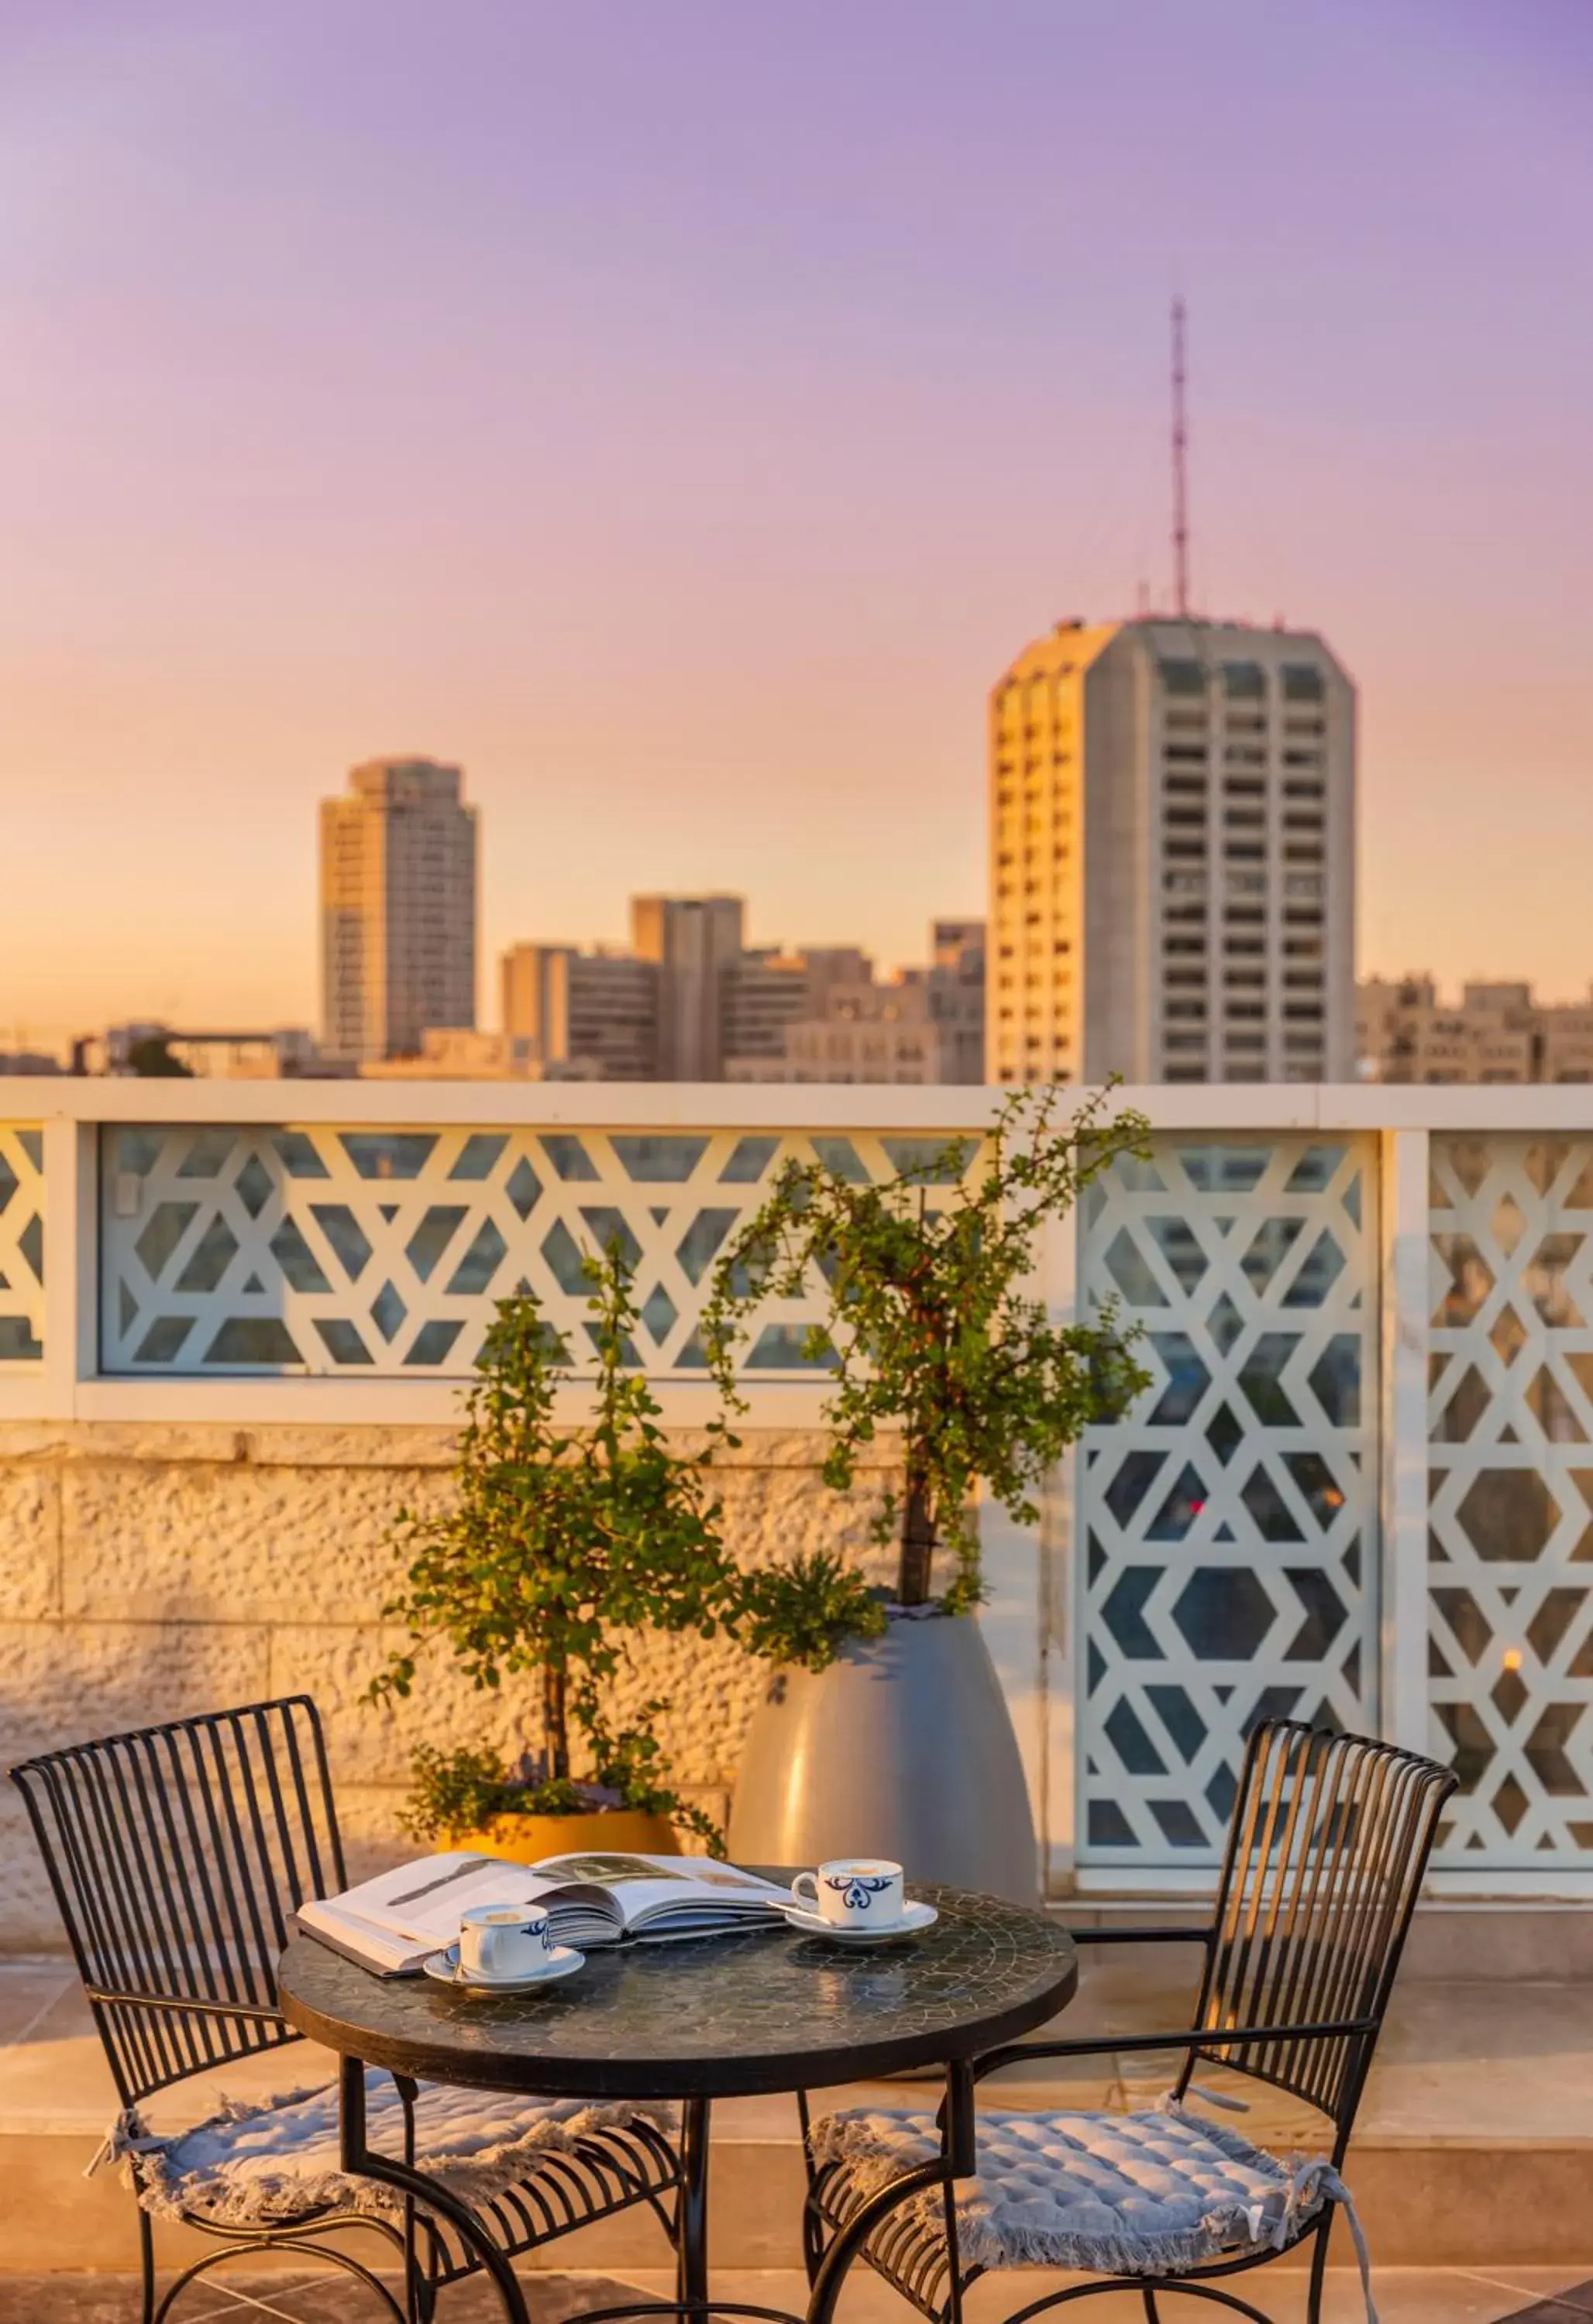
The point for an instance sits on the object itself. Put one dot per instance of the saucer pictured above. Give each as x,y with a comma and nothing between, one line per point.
915,1920
444,1969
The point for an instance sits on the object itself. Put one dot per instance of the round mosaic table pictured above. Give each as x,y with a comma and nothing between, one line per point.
760,2011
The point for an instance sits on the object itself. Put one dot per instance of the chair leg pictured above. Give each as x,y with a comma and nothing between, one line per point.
146,2257
328,2254
1153,2313
1319,2269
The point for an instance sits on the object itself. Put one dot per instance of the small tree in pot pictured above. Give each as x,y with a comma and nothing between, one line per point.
560,1544
935,1329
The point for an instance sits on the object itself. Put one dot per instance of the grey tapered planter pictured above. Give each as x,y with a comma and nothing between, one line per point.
902,1748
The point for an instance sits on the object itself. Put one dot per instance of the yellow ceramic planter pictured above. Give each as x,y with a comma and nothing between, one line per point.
603,1831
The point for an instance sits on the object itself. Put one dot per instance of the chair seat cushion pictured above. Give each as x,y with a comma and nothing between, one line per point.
1125,2194
253,2164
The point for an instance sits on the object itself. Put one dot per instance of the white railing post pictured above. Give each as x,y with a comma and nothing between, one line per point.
1058,1809
1405,1306
72,1289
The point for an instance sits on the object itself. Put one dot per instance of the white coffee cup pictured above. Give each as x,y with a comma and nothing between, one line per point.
502,1942
853,1892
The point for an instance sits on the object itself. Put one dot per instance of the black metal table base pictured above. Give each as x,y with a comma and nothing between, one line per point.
693,2299
359,2157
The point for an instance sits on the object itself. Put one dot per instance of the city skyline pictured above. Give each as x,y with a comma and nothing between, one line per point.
683,460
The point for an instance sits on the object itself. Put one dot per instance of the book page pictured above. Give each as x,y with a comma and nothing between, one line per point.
423,1901
644,1886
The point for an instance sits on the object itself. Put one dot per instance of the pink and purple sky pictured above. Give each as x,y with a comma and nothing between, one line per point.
679,411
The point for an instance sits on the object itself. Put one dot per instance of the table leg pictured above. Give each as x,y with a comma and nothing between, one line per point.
358,2158
691,2215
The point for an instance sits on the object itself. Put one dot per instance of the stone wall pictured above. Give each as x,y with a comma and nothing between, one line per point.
150,1572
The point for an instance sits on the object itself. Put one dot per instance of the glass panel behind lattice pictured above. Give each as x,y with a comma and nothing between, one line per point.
1230,1523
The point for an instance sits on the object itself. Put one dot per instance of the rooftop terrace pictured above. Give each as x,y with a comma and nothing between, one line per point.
233,1326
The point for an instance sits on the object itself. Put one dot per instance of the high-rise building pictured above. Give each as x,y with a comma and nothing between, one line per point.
689,1003
868,1033
764,993
955,984
397,908
1172,856
691,941
1405,1031
569,1014
761,993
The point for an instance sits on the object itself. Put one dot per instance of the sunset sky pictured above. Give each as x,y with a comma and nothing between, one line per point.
677,412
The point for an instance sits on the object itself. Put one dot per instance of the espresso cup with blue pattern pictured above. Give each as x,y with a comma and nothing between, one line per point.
852,1891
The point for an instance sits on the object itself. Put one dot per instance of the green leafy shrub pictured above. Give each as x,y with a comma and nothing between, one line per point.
804,1612
934,1325
457,1792
559,1545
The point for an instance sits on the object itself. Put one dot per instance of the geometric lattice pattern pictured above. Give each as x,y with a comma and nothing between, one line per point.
1230,1520
21,1247
365,1253
1509,1539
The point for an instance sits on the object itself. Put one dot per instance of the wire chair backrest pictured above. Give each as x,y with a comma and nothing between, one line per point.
177,1855
1327,1851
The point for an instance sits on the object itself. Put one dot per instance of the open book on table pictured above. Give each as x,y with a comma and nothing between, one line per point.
389,1924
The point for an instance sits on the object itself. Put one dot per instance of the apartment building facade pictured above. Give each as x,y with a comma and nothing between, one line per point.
573,1015
398,909
1172,820
1497,1032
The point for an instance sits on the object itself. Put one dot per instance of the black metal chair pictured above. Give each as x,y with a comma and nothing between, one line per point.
177,1855
1328,1846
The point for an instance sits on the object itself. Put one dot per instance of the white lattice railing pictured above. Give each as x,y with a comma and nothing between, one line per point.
1360,1486
342,1251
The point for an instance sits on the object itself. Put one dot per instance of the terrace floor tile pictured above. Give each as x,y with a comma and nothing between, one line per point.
1405,2296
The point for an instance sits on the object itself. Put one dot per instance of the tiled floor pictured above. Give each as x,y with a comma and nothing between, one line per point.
1403,2296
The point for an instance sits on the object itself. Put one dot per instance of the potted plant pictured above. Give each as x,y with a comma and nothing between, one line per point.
560,1544
899,1743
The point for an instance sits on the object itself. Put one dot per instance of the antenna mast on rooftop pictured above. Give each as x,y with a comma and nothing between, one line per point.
1181,450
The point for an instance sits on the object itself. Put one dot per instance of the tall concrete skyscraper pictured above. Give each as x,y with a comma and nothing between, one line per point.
693,940
398,908
1172,824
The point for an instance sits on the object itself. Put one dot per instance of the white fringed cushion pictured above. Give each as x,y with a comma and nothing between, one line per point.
256,2163
1125,2194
